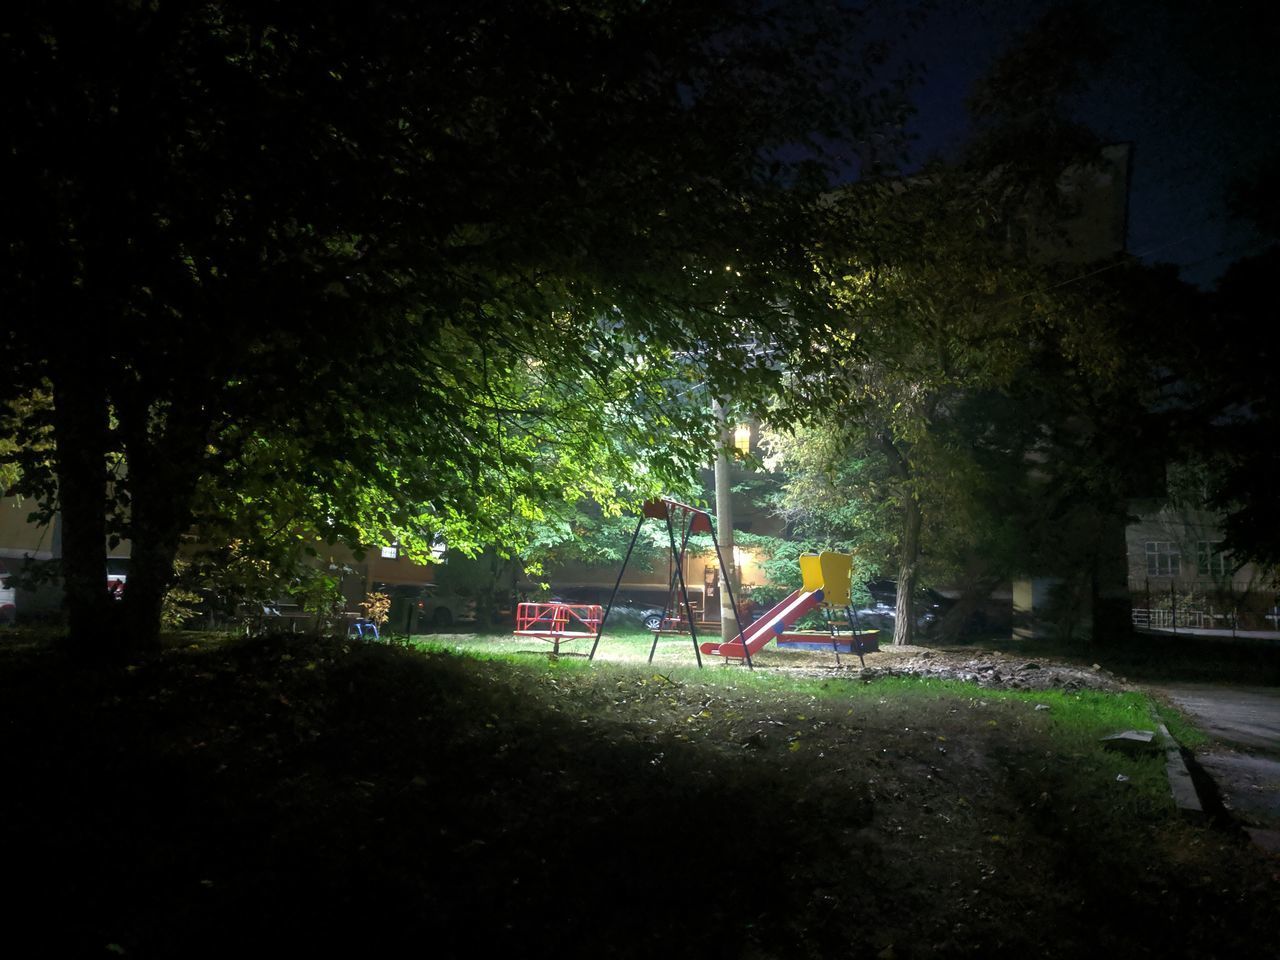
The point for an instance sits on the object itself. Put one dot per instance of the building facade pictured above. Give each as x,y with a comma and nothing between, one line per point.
1180,575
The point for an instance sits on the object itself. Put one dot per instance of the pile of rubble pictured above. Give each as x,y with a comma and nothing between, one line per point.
989,669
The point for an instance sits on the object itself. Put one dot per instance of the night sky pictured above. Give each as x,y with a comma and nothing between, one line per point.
1192,85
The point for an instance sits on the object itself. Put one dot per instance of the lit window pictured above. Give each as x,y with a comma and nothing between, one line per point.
390,553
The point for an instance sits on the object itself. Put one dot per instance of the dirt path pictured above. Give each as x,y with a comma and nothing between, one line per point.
1246,718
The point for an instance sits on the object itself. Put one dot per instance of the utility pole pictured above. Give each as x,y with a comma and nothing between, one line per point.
724,525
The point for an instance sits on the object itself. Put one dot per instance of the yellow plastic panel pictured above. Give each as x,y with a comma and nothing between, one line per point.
811,571
836,568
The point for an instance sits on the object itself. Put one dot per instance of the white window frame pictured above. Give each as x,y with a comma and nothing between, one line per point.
1211,561
1164,558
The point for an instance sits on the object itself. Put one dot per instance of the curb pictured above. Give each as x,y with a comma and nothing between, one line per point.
1183,788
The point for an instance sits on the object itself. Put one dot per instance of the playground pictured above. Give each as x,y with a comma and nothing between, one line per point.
825,588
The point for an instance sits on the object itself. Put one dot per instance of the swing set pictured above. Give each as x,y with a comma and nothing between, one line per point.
825,576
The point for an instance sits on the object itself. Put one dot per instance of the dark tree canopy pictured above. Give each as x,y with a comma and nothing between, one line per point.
392,265
1224,405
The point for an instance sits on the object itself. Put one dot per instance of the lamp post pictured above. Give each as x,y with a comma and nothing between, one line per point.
724,524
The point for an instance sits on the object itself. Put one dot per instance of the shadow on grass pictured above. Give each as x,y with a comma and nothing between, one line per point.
292,795
300,796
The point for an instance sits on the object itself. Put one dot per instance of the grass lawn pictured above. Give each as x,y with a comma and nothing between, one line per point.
233,797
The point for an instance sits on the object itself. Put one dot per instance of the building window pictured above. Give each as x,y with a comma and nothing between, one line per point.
391,553
1210,559
1163,559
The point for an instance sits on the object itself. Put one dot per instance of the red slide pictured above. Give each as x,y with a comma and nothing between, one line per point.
768,627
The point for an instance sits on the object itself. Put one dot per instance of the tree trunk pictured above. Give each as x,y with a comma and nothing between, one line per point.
81,437
908,557
729,584
150,575
164,458
909,548
1110,602
968,611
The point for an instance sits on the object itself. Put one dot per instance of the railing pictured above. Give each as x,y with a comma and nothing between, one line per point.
1200,619
1191,619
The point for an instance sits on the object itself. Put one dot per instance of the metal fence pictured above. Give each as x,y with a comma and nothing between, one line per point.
1204,605
1193,618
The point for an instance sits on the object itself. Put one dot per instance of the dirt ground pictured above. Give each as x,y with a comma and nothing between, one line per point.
987,668
297,795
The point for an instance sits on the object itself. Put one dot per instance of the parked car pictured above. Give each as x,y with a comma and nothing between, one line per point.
117,576
423,608
8,600
628,608
631,611
930,609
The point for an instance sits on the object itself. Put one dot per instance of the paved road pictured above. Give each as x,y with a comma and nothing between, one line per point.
1245,760
1247,718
